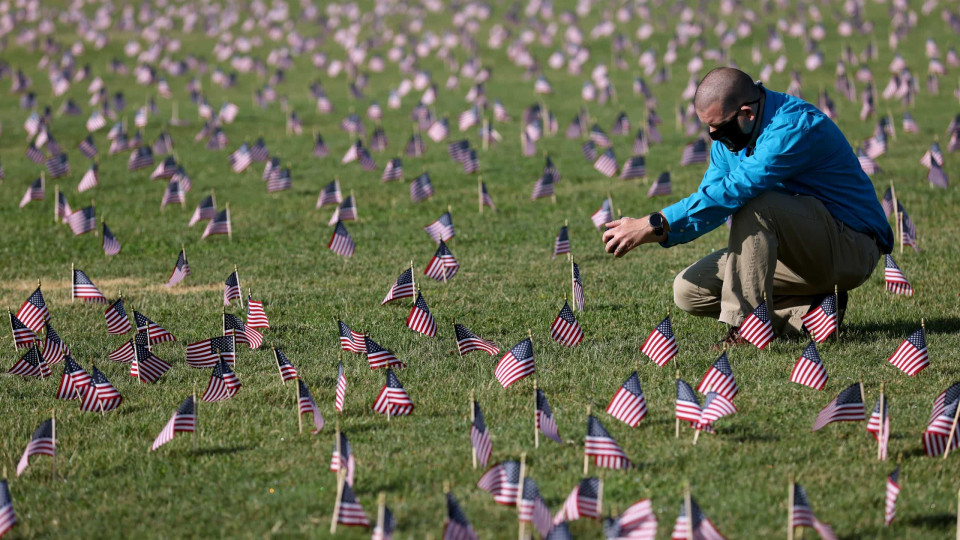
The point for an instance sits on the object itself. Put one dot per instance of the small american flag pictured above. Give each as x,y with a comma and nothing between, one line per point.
220,224
457,527
207,209
259,152
641,145
378,357
330,194
351,513
256,317
124,354
341,392
934,154
223,384
441,230
83,221
867,163
607,164
485,198
821,320
63,207
231,289
41,443
184,420
308,406
896,282
320,149
911,356
343,459
876,146
757,328
141,158
110,244
180,270
634,167
480,436
241,158
209,352
157,333
638,521
803,514
846,407
605,451
117,321
439,130
378,141
74,380
890,498
467,341
88,148
562,244
603,215
146,366
589,150
543,187
340,242
661,344
166,169
577,287
503,482
23,337
599,137
287,371
84,289
393,170
583,501
516,364
89,179
402,287
565,329
661,186
715,407
421,188
879,424
100,395
393,399
33,312
415,146
701,527
58,166
96,121
688,406
629,404
459,150
533,509
621,126
35,192
34,154
809,369
542,86
443,265
8,519
941,422
54,349
936,176
546,423
350,340
719,379
695,152
420,319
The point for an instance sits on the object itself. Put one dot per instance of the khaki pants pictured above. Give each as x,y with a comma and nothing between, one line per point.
787,247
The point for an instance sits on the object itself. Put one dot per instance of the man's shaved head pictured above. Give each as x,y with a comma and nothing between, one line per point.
727,86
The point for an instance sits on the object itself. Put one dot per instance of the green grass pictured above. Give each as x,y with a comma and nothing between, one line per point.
255,476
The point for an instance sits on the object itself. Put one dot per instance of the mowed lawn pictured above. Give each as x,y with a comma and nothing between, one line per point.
254,475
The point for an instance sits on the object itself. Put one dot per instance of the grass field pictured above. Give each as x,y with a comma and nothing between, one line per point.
254,476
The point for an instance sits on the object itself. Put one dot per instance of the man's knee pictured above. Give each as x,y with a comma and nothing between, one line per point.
685,293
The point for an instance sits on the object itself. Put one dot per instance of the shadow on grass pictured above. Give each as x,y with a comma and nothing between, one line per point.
901,329
219,451
934,521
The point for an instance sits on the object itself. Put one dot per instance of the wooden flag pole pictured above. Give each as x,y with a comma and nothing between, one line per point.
953,433
880,430
93,203
480,192
688,510
413,279
486,134
573,278
72,283
523,472
790,508
536,416
473,418
586,458
677,433
229,225
600,495
836,301
276,358
958,514
196,418
296,407
341,478
53,464
381,512
239,288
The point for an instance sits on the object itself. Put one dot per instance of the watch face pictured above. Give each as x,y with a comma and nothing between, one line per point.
656,220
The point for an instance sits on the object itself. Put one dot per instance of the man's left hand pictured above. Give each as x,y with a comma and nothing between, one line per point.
624,234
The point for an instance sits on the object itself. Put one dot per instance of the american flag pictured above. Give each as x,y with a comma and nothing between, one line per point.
439,130
35,192
146,366
421,188
562,243
33,313
184,420
84,289
89,179
577,286
443,265
936,176
533,509
846,407
879,424
287,371
7,518
867,163
803,514
180,270
100,395
688,406
821,320
607,164
546,423
63,207
934,154
340,242
641,144
719,379
467,341
393,399
441,230
565,329
560,531
516,364
941,422
603,215
140,158
34,154
480,436
23,337
415,146
661,344
163,144
911,356
183,178
166,169
695,152
83,221
351,513
583,501
209,352
605,451
74,380
231,288
110,244
661,186
259,152
457,527
503,482
256,317
402,287
223,385
233,326
343,459
634,167
393,170
54,349
308,405
124,354
471,164
157,333
485,198
599,137
543,187
96,121
341,392
876,146
280,181
890,498
629,405
88,148
320,149
809,369
621,126
271,168
715,407
330,194
589,150
701,528
350,340
420,319
377,356
58,166
117,321
458,150
638,521
173,194
220,224
42,443
500,112
757,328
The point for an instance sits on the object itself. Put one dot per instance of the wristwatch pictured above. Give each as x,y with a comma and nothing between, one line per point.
656,221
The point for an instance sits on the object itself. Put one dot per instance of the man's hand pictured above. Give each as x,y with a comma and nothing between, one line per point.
624,234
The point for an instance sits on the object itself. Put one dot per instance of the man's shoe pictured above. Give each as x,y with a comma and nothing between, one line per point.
732,340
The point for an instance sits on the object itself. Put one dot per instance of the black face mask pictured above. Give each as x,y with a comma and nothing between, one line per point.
729,133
